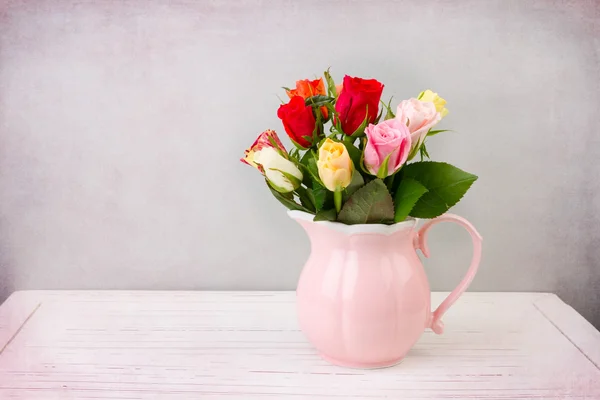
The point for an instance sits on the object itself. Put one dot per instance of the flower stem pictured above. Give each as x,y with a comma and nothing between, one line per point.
337,200
389,181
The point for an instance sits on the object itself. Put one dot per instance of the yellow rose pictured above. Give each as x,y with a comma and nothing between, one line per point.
335,166
432,97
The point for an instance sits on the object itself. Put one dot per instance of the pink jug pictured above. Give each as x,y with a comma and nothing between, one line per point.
363,298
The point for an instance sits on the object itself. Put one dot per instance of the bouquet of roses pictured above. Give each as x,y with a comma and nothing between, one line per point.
359,171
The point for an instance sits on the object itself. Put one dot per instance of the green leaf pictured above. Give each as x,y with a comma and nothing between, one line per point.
318,100
389,114
306,198
433,133
321,195
445,183
353,152
383,168
378,117
297,145
338,124
423,151
305,157
360,131
407,194
288,203
325,215
318,127
314,170
331,90
307,179
356,183
332,112
371,204
295,154
361,163
414,151
286,89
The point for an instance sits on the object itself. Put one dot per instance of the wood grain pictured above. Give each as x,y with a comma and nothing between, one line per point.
246,345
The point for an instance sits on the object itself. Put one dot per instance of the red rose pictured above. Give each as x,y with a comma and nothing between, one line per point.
298,120
358,95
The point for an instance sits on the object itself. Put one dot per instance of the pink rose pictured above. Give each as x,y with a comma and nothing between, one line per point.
388,138
419,116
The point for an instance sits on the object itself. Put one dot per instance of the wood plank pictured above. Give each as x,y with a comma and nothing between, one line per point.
246,345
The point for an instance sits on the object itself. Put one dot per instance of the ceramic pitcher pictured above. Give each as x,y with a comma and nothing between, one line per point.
363,298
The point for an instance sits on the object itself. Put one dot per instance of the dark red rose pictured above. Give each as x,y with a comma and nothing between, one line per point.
358,95
298,120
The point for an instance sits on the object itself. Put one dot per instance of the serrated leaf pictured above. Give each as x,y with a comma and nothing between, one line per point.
356,183
407,194
371,204
445,183
306,198
311,197
288,203
325,215
313,169
321,195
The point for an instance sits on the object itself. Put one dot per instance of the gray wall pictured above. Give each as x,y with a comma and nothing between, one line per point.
121,125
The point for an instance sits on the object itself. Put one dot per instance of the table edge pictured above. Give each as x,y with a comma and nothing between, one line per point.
572,325
16,310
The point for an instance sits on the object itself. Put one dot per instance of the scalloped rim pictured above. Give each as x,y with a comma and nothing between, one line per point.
381,229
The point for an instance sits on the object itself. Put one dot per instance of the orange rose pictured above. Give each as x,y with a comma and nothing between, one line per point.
306,88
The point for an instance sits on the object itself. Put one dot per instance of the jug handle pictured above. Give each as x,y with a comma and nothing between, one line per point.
420,242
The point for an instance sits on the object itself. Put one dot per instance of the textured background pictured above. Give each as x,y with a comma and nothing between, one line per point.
121,125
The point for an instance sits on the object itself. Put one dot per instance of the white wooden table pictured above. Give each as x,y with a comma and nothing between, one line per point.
246,345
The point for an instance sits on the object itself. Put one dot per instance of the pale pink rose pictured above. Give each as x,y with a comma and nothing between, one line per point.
390,137
419,116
